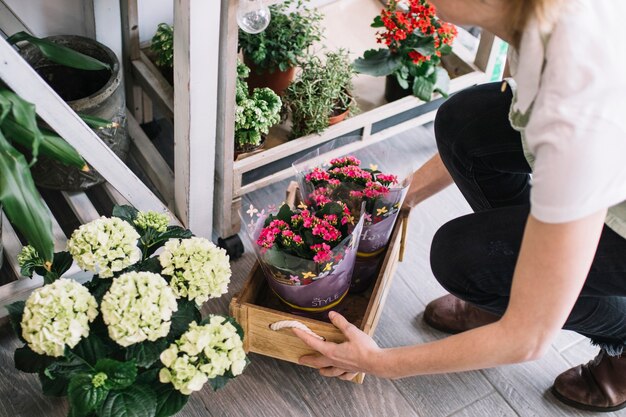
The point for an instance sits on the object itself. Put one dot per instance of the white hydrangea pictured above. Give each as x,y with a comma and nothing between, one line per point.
152,220
105,246
56,315
203,352
199,269
138,307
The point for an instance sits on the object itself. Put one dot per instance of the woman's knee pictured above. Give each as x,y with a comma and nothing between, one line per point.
447,255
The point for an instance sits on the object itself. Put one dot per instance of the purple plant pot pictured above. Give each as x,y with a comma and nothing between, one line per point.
320,295
374,239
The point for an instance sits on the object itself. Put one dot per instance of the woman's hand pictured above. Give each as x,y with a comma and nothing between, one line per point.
359,353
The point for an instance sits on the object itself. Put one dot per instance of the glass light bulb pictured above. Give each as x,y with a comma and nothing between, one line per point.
253,16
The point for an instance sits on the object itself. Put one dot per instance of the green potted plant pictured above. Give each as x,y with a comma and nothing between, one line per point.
162,47
416,40
255,113
273,54
20,200
88,76
322,94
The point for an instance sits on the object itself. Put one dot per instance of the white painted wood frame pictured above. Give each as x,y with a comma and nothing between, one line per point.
196,61
19,76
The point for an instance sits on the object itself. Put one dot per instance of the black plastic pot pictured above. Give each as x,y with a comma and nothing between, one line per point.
96,93
393,90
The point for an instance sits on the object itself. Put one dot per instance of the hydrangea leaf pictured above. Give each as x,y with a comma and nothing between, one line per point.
146,353
134,401
169,401
30,362
83,396
120,375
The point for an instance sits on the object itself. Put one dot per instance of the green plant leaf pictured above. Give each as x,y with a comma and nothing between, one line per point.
378,22
186,313
53,387
30,362
134,401
377,62
148,377
16,311
219,382
126,213
445,49
62,261
83,396
423,88
149,265
25,115
120,374
156,241
146,353
60,54
426,45
66,367
98,287
97,123
91,349
21,201
442,85
52,145
169,400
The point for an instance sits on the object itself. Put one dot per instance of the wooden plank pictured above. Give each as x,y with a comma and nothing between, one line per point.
25,82
10,23
154,84
130,47
226,221
114,195
352,147
81,206
196,60
151,161
108,25
491,405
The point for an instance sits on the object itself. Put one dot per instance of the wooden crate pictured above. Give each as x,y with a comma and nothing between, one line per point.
255,307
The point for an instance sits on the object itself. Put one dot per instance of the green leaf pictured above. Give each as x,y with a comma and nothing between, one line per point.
61,262
423,88
98,287
425,46
443,81
16,311
66,367
149,265
53,387
30,362
83,396
187,312
377,62
219,382
169,400
97,123
135,401
148,377
126,213
146,353
25,115
21,201
120,374
156,241
403,82
445,49
52,145
378,22
60,54
91,349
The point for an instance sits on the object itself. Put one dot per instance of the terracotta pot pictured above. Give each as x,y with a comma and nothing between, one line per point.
393,90
241,149
96,93
278,80
333,120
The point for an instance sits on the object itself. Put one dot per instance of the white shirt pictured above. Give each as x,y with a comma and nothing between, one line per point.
570,104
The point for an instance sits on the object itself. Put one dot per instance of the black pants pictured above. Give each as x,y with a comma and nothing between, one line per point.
473,257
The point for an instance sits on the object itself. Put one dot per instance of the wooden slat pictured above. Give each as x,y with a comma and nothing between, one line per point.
130,43
226,220
16,73
81,206
352,147
114,195
151,161
154,84
196,61
9,22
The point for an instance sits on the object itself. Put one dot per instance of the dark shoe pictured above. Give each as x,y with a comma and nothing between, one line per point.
599,385
453,315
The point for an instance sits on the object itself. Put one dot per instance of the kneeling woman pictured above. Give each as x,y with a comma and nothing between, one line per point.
529,260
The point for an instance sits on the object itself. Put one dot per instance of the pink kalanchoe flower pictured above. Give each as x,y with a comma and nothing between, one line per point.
387,178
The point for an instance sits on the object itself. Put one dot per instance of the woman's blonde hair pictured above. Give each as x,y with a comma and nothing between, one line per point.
521,12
